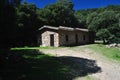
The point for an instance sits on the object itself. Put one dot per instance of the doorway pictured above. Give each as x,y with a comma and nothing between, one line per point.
76,39
51,39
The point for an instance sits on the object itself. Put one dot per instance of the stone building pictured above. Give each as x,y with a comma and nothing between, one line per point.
64,36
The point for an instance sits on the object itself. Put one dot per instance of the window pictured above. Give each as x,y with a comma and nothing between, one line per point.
66,38
83,37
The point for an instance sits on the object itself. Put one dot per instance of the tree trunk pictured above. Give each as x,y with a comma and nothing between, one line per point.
104,41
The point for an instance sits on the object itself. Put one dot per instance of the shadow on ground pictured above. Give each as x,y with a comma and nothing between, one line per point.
80,66
34,65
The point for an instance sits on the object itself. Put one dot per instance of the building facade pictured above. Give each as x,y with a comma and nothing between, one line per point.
64,36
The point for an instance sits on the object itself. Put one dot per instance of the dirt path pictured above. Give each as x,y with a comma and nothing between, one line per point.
110,70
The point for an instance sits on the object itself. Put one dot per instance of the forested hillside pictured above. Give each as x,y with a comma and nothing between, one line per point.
19,22
104,21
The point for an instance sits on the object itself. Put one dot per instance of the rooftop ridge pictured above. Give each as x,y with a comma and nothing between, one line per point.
63,28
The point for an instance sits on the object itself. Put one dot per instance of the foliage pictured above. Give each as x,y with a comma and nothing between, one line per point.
7,22
60,13
105,22
20,26
82,15
104,34
27,21
31,65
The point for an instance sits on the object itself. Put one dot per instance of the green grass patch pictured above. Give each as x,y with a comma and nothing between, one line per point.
29,48
111,53
30,64
88,78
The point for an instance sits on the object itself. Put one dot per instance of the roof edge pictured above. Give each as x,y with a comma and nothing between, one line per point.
63,28
49,27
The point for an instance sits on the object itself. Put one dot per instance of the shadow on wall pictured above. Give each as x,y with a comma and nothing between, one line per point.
34,65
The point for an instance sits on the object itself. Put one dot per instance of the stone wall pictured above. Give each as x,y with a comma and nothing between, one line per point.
45,37
60,38
72,37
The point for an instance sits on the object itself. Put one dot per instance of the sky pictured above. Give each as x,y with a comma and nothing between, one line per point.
78,4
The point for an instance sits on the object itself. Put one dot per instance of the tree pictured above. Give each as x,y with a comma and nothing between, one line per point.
27,19
60,13
7,22
104,23
82,15
104,34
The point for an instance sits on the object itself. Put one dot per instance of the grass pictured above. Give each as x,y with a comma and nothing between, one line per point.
111,53
87,78
30,64
29,48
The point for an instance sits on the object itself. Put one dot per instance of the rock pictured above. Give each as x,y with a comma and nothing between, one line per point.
113,45
107,46
118,45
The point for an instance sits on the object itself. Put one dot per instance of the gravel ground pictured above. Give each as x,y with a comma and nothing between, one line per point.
110,70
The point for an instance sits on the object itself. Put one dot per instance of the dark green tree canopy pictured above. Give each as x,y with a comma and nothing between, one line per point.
59,13
105,22
19,22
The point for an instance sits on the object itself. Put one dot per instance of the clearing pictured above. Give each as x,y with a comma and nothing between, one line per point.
86,64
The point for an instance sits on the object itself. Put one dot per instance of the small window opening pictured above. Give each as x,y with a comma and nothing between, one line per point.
66,38
83,37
